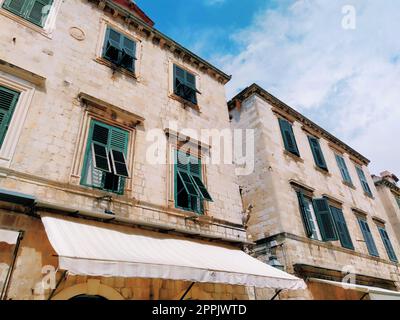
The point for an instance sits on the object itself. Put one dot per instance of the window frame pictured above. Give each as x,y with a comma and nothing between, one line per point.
312,231
49,25
86,156
289,128
317,148
371,245
363,180
387,244
176,172
349,181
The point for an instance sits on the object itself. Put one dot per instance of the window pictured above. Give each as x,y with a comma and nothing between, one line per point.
363,181
343,169
35,11
388,244
119,50
341,227
185,85
288,137
190,191
8,101
105,165
309,218
317,153
369,240
325,220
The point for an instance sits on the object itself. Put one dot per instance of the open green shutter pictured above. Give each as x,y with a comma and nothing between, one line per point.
388,244
113,46
128,54
8,101
317,153
341,227
288,136
305,214
325,220
369,240
363,180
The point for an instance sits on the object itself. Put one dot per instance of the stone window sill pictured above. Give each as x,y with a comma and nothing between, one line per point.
323,171
123,71
293,156
348,184
185,102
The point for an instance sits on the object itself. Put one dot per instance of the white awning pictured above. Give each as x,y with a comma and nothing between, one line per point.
374,292
8,236
98,249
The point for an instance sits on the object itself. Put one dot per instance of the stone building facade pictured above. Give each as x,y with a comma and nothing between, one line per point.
315,208
389,194
60,83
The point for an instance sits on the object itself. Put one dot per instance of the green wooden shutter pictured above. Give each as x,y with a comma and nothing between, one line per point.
388,244
112,50
8,101
18,7
288,136
35,11
398,200
325,220
306,215
363,181
185,84
317,153
369,240
343,169
38,11
341,228
128,54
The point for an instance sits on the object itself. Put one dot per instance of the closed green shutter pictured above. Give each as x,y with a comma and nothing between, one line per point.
109,138
363,181
369,240
343,169
388,244
325,220
8,101
306,215
288,137
341,227
35,11
317,153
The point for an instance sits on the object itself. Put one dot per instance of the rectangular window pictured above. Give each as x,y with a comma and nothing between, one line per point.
119,50
325,220
309,217
363,181
8,101
341,227
288,137
369,240
343,169
317,153
35,11
105,166
388,244
185,85
190,191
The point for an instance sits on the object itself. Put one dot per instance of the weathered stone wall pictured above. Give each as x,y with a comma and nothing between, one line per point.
276,208
42,164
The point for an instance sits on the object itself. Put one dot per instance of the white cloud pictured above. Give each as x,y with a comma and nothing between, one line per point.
346,80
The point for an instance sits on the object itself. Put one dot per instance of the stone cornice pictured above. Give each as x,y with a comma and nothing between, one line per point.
162,40
255,89
390,185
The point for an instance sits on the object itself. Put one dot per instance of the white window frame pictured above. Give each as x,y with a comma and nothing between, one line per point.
314,220
48,28
26,91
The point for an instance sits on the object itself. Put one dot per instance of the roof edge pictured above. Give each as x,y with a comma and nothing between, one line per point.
162,40
256,89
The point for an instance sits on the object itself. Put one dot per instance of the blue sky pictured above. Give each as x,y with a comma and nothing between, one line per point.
346,80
